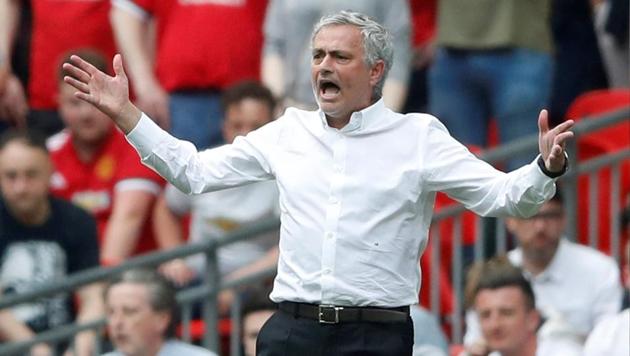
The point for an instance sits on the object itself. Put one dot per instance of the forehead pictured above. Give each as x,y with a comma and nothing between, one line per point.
18,153
338,37
248,110
503,297
128,294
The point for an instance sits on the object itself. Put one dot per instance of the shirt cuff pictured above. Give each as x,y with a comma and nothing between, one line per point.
145,136
540,176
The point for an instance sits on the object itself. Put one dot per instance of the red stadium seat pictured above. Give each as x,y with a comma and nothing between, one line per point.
601,142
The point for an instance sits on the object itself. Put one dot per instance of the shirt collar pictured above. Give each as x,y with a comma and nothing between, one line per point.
553,272
359,119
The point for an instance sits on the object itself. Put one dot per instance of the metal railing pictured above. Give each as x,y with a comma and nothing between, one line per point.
212,284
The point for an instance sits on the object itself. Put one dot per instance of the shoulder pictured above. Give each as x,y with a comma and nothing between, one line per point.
68,209
589,257
58,141
174,347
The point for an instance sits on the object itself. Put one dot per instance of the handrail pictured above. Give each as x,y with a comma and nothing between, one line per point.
102,273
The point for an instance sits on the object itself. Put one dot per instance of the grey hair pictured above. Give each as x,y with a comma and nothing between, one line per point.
377,41
161,293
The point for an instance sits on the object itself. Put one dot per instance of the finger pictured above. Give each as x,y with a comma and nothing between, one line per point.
562,138
85,97
543,121
84,65
77,84
76,72
564,126
119,70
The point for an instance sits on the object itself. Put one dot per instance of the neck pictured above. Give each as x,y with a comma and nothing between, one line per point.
86,150
37,216
527,349
535,262
151,349
337,123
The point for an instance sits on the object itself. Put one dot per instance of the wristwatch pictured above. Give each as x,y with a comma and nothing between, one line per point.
550,174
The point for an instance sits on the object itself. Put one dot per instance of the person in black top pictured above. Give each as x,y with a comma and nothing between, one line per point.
43,239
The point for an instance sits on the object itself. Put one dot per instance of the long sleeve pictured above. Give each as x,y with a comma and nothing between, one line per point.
191,171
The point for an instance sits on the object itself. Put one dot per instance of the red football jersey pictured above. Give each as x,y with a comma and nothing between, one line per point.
91,184
58,27
206,43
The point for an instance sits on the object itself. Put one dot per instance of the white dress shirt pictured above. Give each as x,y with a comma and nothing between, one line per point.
355,203
611,337
580,285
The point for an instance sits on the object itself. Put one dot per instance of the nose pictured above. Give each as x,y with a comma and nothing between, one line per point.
325,66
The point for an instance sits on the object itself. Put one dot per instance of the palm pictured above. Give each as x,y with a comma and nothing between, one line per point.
551,142
109,94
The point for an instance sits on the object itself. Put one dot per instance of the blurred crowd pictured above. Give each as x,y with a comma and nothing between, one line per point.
74,194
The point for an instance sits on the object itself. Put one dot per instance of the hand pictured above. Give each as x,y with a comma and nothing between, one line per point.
83,345
109,94
177,271
41,350
153,100
551,142
13,104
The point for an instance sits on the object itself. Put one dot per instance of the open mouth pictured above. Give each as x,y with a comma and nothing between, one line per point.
328,90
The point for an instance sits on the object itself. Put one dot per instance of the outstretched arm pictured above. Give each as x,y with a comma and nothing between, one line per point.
108,94
551,142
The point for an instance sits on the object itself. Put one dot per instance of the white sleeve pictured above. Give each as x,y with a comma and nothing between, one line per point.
451,168
179,162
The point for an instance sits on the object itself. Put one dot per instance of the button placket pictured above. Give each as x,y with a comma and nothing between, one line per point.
333,210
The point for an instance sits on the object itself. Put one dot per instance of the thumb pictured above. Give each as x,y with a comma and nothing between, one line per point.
118,66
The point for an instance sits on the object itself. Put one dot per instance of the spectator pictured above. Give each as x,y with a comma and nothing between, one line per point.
578,63
611,336
611,27
201,48
43,240
423,18
50,40
12,329
493,60
572,282
256,311
247,106
98,170
142,317
428,337
287,54
505,303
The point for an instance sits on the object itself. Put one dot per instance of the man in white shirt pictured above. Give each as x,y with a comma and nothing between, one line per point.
611,336
575,285
141,310
357,184
509,320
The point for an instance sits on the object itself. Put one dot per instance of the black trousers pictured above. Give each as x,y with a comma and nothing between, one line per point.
286,335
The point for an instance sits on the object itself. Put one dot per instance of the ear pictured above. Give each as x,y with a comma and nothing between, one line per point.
533,320
162,319
376,72
510,224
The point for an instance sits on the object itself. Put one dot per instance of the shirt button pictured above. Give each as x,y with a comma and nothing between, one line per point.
330,235
333,200
337,168
327,271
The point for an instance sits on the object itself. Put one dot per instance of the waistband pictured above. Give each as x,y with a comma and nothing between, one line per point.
333,314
